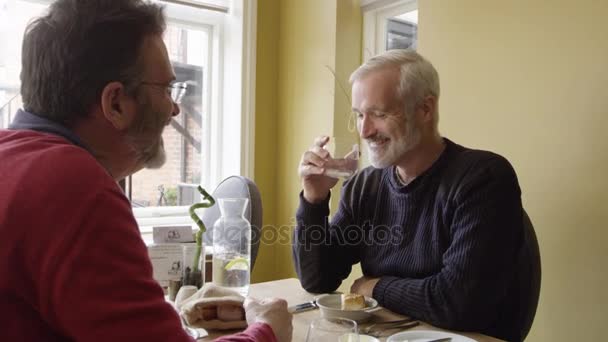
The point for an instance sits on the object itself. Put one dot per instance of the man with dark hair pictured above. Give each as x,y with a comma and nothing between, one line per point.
98,89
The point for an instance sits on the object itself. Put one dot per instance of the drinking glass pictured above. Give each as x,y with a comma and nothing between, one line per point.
344,157
332,330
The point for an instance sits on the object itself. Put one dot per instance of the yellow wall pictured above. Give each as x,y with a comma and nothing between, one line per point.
305,99
266,145
529,80
525,78
299,44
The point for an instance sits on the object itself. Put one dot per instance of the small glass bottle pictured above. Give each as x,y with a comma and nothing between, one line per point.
232,246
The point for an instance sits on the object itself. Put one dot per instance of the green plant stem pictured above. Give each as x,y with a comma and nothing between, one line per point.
351,125
207,202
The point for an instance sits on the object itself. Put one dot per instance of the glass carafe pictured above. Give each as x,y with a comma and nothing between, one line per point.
232,246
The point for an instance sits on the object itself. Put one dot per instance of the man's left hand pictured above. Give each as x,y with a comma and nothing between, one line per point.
364,286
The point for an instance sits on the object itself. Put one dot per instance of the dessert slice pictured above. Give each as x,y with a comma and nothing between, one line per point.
353,301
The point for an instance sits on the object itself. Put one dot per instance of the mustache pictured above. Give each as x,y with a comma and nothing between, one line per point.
376,137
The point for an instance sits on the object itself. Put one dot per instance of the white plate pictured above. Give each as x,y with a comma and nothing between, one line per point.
426,335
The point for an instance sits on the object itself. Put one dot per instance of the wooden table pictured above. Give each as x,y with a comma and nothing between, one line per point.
291,290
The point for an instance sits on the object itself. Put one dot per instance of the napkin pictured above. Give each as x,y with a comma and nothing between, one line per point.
213,307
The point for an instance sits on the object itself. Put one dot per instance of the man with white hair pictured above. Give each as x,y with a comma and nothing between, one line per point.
437,227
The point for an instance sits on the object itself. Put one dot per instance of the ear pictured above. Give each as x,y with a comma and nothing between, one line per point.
427,108
117,107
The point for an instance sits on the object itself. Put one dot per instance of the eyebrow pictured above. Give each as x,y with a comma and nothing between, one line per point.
371,109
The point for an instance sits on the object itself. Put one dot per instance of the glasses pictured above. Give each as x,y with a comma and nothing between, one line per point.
176,90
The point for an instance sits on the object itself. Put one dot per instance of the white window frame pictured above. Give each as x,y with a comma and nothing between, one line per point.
228,133
375,15
230,129
213,85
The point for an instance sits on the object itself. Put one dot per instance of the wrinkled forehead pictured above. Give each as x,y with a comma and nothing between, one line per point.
376,89
157,66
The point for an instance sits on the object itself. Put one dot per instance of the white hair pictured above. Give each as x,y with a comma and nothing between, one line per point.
418,78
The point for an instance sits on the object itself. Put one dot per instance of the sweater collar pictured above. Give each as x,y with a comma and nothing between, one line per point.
31,121
411,186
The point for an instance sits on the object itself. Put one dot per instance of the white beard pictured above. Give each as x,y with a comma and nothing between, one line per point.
387,155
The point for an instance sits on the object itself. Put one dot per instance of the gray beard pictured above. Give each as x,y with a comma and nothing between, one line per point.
157,156
146,138
151,154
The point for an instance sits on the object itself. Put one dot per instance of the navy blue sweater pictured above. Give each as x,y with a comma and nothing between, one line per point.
445,247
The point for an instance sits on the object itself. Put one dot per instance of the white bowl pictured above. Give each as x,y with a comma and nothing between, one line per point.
331,307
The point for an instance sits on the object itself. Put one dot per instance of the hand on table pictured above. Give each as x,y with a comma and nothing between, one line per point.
272,311
315,184
364,286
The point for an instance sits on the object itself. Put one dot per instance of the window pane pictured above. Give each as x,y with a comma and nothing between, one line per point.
175,183
14,17
402,31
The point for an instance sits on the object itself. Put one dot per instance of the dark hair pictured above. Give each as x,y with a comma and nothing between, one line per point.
70,54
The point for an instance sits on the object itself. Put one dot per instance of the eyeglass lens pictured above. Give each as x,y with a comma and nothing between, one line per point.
178,90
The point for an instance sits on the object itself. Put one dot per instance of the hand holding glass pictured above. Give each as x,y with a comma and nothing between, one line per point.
344,160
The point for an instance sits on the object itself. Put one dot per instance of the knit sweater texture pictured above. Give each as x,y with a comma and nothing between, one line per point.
446,246
73,265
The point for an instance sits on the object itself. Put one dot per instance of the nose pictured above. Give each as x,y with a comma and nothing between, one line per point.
366,127
176,109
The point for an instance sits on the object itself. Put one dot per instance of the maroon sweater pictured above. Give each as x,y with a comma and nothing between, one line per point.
73,265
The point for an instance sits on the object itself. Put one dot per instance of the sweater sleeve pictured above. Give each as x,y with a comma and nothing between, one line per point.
321,253
257,332
486,230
